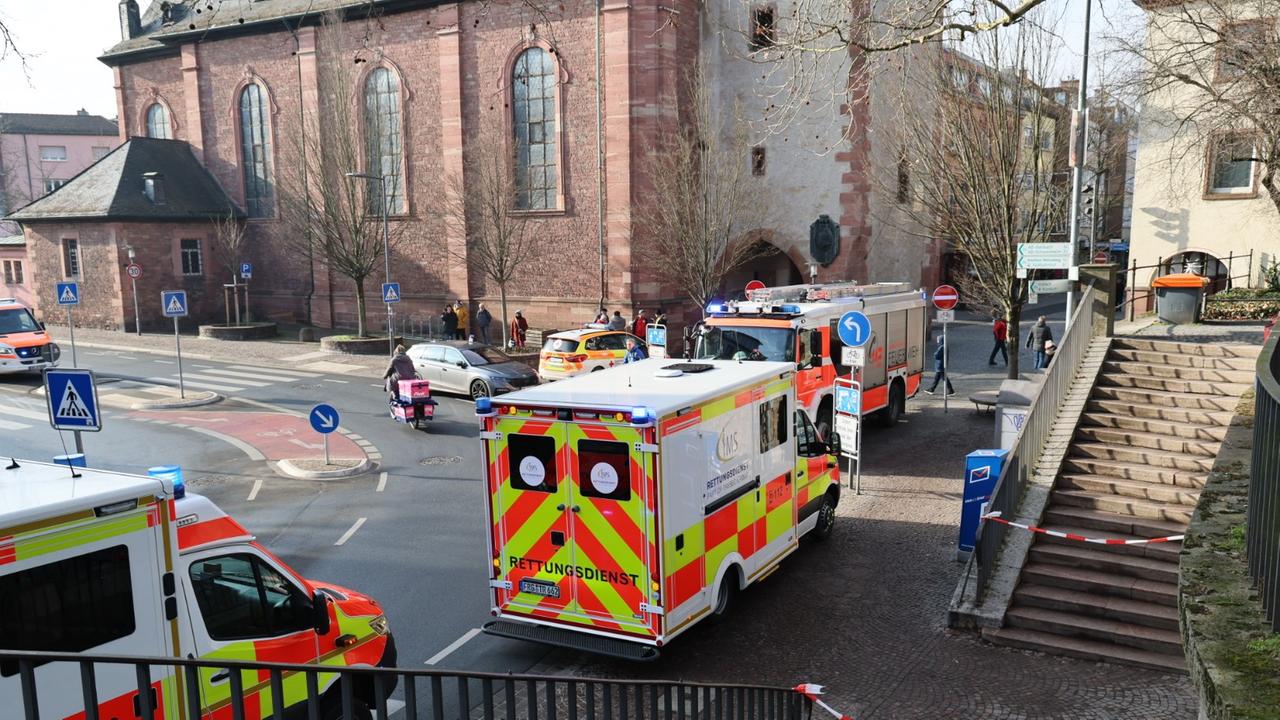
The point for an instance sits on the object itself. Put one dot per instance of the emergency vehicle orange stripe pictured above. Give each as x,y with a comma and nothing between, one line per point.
720,525
676,424
875,398
200,533
590,546
591,604
8,554
913,383
776,492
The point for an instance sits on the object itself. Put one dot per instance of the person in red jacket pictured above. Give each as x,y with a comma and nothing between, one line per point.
519,329
639,325
1000,329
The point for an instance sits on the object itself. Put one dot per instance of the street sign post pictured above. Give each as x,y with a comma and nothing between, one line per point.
72,397
246,270
848,425
390,294
1048,287
69,295
324,420
174,304
134,271
655,336
1044,256
945,299
854,328
1101,257
946,316
754,285
854,357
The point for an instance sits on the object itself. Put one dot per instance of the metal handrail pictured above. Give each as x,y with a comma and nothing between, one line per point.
1028,447
1262,527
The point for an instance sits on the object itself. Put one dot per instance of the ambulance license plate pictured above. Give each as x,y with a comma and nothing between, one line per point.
555,361
535,587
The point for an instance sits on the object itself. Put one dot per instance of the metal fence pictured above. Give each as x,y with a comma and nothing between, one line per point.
1029,446
425,693
1231,262
1262,530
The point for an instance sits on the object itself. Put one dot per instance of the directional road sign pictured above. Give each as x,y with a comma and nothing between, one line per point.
854,328
848,400
324,418
390,292
174,303
945,297
246,270
72,396
1044,256
68,293
134,270
1048,287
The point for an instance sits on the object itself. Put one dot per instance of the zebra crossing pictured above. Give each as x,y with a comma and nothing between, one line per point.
236,378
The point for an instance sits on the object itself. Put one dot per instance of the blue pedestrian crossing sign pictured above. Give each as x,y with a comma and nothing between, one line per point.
324,418
72,396
68,293
390,292
848,400
854,328
174,303
246,270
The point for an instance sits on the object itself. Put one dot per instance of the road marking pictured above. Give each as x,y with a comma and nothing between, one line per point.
23,412
195,383
245,447
235,375
351,531
306,445
218,378
253,494
382,483
340,382
454,646
188,418
274,370
163,362
9,425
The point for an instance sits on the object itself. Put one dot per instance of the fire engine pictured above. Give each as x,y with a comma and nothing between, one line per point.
625,505
797,324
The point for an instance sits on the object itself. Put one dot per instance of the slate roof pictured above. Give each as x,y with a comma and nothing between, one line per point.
112,188
41,124
13,241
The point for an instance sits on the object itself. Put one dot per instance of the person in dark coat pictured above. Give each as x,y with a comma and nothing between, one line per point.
449,320
635,353
940,368
1039,335
400,368
519,329
483,319
617,322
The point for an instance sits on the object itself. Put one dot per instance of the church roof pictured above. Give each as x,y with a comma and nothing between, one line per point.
112,188
81,123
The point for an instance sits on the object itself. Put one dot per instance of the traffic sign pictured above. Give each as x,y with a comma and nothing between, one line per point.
655,336
1101,257
853,356
134,270
848,400
945,297
1048,287
68,293
946,316
1044,256
324,418
847,427
72,397
390,293
754,285
854,328
246,270
174,303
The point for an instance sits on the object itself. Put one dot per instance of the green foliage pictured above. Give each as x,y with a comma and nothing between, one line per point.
1269,645
1271,276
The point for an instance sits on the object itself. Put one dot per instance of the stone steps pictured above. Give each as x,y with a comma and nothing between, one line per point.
1104,606
1141,456
1166,551
1129,408
1199,387
1151,441
1181,429
1109,523
1138,490
1133,471
1209,350
1169,512
1100,582
1084,649
1162,398
1088,556
1182,360
1174,372
1143,637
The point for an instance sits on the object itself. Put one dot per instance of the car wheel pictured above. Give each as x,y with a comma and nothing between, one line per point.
479,389
897,406
725,596
826,518
596,369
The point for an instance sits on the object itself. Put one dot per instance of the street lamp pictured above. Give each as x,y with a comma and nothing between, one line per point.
386,252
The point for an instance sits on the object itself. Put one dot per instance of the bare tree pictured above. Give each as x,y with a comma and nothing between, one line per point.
977,169
705,215
228,250
499,240
330,214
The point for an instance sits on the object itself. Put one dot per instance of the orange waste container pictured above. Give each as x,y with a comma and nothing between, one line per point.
1178,297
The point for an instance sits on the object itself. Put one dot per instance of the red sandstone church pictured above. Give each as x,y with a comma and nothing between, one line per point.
211,91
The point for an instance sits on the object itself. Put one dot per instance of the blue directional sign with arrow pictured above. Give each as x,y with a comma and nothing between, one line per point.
324,418
854,328
174,303
68,293
72,396
390,292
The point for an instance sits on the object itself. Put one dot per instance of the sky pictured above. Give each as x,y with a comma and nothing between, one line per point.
63,39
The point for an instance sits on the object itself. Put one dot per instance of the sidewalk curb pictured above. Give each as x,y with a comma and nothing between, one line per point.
287,468
209,398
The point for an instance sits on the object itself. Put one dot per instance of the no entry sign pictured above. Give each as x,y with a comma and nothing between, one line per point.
945,297
755,285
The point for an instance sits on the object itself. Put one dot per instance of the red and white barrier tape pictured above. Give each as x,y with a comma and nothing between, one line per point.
812,692
1072,536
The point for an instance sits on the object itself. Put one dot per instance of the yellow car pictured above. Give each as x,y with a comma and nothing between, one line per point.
574,352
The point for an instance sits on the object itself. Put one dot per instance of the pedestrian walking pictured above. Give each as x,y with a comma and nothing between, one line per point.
449,322
1000,329
635,353
616,322
940,368
640,324
1036,339
661,317
463,317
519,329
483,320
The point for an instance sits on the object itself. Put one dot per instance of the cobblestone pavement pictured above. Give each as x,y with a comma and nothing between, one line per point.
1248,332
864,613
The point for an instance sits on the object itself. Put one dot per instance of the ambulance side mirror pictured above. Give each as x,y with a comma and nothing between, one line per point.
320,612
815,347
833,443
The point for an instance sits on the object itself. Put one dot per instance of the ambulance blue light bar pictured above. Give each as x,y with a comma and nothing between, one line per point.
791,309
484,406
641,416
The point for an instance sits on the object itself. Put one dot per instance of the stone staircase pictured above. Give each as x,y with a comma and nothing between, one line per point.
1143,449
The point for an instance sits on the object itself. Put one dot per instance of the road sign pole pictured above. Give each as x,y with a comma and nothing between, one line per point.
248,316
946,374
325,437
137,314
235,296
79,442
71,326
391,336
177,341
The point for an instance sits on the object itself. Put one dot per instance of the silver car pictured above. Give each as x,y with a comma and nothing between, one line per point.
470,368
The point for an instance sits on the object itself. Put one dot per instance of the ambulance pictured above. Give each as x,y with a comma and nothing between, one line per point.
797,324
626,505
106,563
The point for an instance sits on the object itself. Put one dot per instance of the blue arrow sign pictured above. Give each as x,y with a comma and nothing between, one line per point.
72,396
246,270
324,418
390,292
68,293
854,328
174,303
848,400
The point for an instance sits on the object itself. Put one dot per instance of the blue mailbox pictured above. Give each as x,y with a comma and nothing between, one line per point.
981,471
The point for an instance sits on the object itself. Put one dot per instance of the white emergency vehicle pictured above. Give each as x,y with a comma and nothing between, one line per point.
628,504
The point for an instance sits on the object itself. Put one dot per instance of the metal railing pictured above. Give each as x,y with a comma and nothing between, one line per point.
1131,278
1262,528
425,693
1029,445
